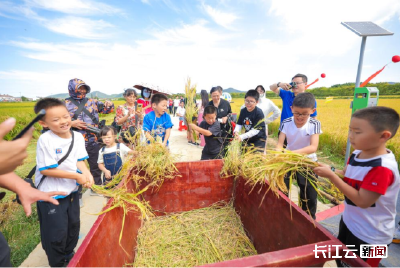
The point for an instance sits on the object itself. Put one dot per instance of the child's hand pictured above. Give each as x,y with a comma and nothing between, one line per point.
324,171
81,179
89,180
107,174
237,137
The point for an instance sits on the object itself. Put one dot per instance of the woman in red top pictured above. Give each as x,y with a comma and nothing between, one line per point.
145,100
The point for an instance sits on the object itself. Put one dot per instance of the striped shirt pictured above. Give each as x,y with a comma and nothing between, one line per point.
298,138
376,224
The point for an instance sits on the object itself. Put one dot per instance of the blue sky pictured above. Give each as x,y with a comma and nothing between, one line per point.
112,45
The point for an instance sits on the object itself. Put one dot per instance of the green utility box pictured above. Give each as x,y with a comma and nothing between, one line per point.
364,97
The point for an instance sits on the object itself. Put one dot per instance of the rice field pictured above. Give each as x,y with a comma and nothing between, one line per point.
335,119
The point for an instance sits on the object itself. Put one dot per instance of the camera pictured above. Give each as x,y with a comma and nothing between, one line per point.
293,84
94,130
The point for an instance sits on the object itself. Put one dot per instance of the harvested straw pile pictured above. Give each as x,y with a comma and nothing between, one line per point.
193,238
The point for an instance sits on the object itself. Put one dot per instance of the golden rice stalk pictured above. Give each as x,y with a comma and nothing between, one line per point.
191,109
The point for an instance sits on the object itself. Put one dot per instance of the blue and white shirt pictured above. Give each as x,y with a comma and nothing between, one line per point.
50,149
157,126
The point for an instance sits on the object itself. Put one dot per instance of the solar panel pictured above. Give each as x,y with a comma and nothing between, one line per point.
366,28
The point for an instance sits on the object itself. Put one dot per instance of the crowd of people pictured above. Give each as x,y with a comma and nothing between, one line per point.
72,130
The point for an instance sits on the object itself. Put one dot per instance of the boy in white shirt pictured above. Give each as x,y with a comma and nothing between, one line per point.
59,225
302,134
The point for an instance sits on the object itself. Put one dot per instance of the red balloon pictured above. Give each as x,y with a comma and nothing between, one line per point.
396,58
323,75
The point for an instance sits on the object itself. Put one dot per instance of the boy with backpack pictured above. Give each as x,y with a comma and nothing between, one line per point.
60,166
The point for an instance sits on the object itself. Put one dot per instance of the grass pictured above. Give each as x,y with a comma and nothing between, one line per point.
22,233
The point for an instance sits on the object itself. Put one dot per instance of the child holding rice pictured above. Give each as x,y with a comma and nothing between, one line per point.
113,155
158,123
302,134
371,181
252,119
210,128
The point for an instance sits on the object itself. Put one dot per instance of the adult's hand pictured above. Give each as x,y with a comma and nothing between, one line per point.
78,124
12,153
26,193
29,195
224,119
108,103
284,86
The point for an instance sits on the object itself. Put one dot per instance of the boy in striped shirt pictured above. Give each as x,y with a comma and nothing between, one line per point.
371,181
302,134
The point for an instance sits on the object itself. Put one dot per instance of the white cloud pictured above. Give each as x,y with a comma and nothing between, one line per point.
79,27
73,7
310,40
221,18
315,27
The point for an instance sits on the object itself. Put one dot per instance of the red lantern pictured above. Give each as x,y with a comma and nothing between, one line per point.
323,75
396,58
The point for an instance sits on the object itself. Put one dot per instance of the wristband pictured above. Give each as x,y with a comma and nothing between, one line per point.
277,84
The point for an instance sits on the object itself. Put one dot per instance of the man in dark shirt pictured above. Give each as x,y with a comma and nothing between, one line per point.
252,119
211,130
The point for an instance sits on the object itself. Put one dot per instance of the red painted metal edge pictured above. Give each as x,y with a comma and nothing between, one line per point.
296,207
306,257
323,215
78,255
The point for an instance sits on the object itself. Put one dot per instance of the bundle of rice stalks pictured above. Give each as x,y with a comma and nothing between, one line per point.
233,160
331,189
192,238
257,168
191,109
156,161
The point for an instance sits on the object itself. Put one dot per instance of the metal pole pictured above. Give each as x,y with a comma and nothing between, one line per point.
360,63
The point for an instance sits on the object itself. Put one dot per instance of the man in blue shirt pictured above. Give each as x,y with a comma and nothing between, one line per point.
287,96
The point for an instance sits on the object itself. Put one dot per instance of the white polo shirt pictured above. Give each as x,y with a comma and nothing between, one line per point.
50,149
298,138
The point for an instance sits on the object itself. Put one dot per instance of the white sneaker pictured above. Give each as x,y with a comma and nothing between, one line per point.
396,236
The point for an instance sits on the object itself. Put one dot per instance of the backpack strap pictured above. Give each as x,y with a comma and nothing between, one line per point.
59,162
81,108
